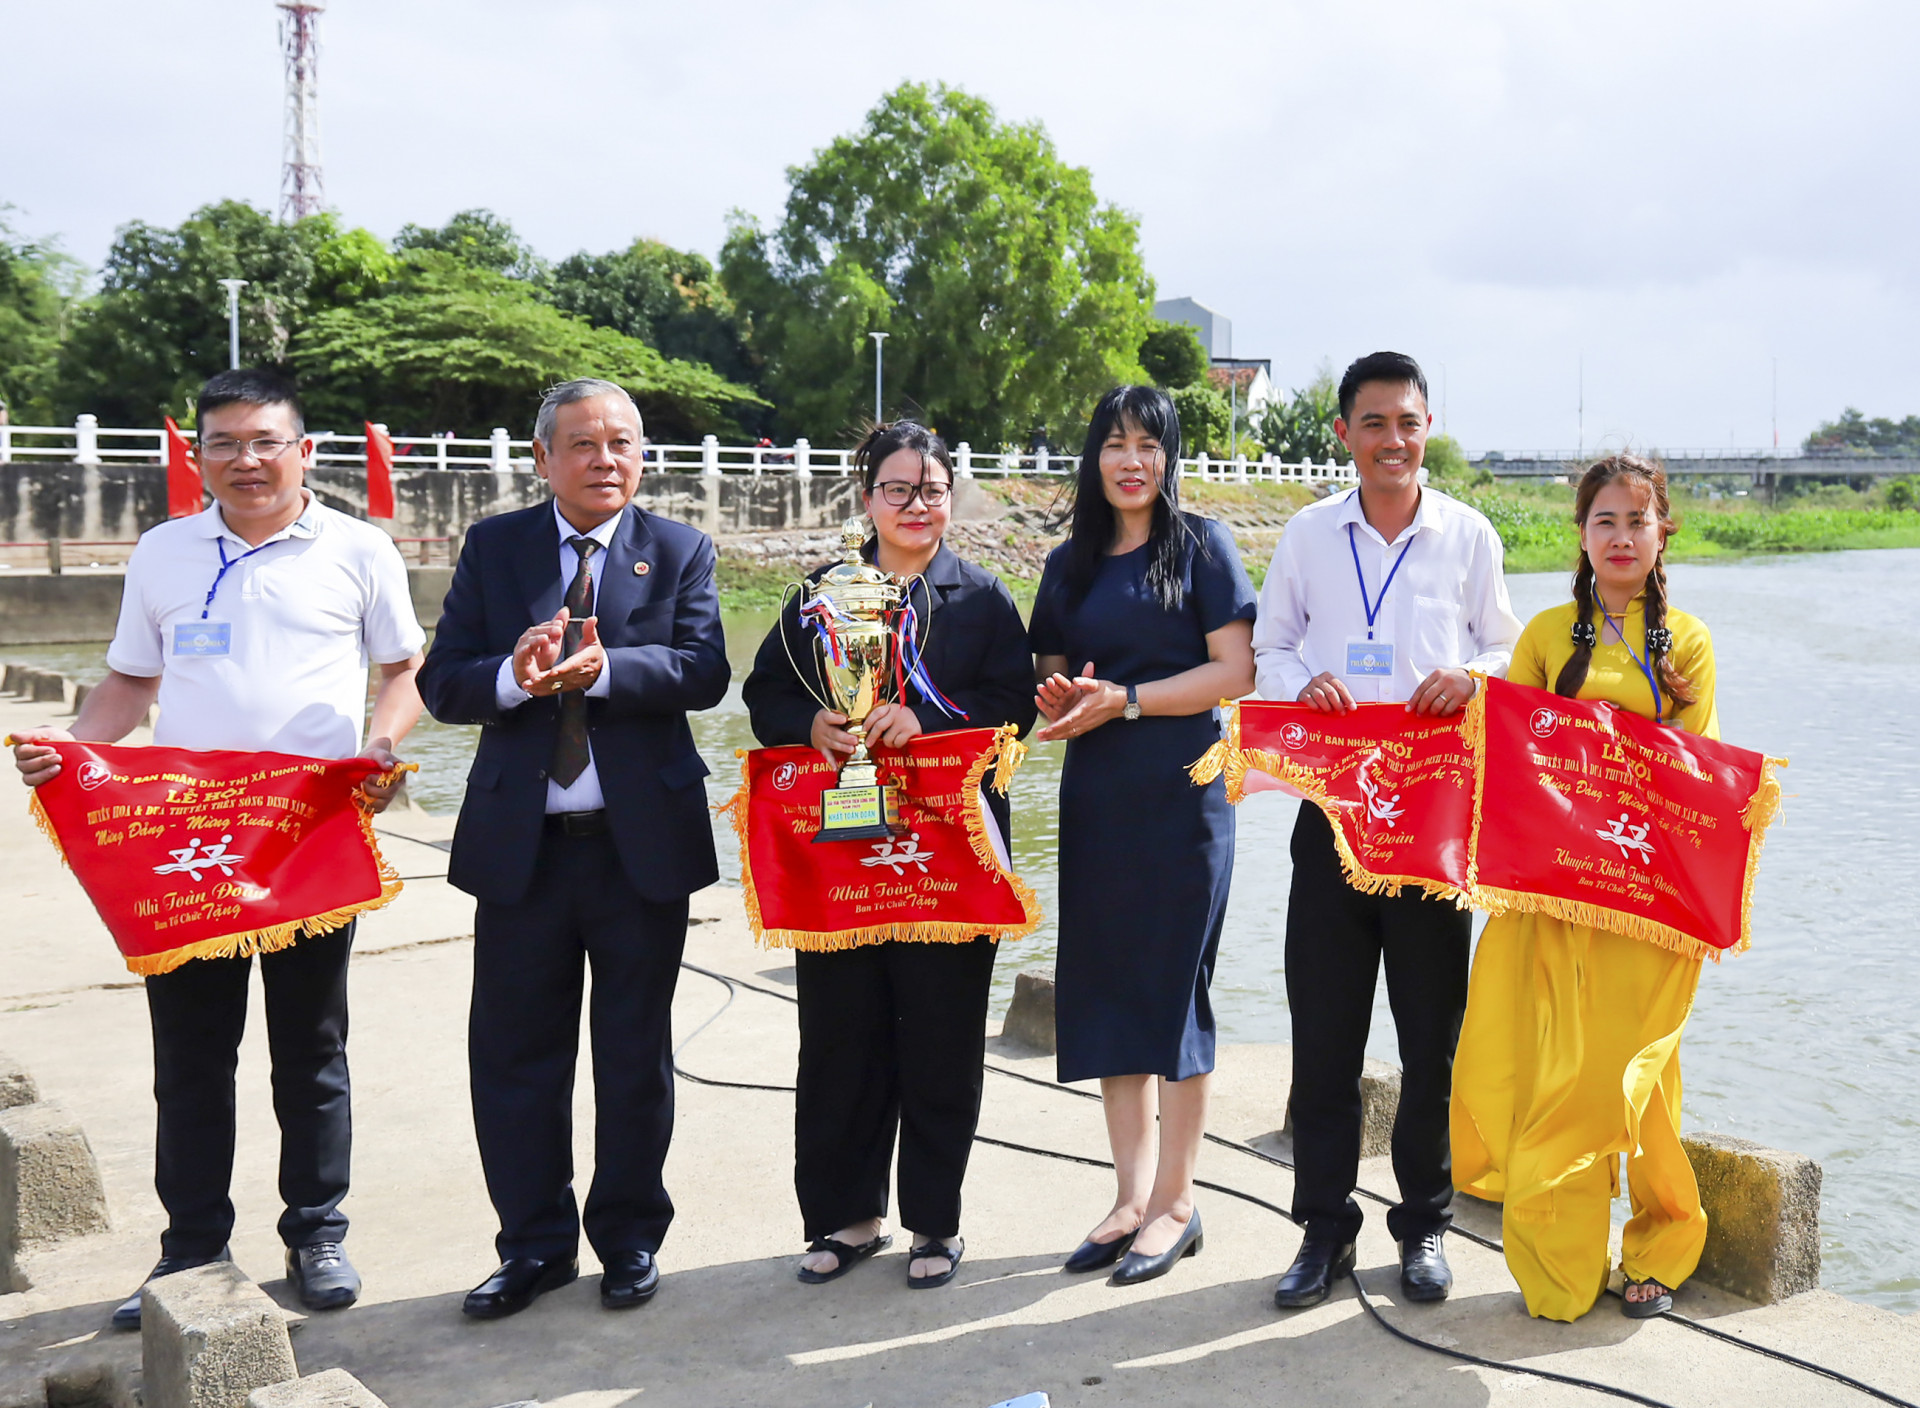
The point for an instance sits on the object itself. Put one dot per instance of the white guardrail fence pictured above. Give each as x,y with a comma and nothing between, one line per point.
86,442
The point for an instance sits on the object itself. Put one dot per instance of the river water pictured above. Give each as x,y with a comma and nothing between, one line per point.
1810,1042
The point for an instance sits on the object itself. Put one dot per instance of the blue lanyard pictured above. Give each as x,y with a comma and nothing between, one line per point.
226,567
1619,629
1373,607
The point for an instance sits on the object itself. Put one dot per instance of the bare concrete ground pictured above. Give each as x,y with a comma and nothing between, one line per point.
730,1325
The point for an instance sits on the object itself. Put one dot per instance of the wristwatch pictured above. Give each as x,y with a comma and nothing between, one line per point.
1132,711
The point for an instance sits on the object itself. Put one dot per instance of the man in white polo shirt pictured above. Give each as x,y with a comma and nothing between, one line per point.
252,625
1388,592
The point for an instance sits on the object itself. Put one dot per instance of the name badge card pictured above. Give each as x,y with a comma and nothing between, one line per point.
203,638
1369,658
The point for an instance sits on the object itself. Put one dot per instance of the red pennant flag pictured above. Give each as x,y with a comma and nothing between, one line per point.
212,854
1599,816
183,477
379,471
946,880
1397,787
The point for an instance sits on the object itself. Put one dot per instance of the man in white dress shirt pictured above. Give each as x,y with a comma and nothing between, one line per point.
252,626
1387,592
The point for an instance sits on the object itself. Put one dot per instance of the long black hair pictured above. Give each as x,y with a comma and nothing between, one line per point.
1171,540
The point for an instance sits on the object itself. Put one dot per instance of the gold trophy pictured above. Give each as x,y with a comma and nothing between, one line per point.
852,613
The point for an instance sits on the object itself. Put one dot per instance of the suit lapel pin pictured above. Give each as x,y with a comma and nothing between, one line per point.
640,569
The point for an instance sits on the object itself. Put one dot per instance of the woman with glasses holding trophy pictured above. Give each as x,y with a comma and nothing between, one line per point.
892,1033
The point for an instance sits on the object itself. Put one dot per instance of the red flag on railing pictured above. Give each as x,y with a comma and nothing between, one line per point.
379,471
183,478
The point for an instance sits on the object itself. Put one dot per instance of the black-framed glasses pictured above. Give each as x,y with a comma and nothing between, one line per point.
263,449
899,492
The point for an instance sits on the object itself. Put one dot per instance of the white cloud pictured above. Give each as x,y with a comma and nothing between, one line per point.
1681,191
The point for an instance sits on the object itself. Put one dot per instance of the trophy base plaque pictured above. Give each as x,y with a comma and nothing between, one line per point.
862,808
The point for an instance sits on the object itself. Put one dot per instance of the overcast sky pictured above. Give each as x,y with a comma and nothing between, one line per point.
1678,192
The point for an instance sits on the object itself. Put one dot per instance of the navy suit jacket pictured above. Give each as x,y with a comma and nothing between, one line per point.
666,653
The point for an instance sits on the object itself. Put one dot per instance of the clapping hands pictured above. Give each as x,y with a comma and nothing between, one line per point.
537,667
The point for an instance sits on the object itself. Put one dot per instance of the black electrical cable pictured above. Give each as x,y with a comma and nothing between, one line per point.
1781,1356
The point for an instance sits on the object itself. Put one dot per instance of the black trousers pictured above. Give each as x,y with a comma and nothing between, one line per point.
892,1035
1336,939
199,1014
523,1038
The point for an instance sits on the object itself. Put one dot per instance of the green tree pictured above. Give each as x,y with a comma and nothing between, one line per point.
452,345
38,287
1205,419
1172,355
1301,427
666,297
1855,434
158,327
482,239
1449,468
1012,297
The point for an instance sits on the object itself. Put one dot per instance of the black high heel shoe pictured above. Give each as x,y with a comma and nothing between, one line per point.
1138,1267
1098,1256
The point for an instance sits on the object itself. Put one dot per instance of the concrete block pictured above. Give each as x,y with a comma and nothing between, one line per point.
335,1388
49,1184
44,686
209,1338
11,682
1030,1018
80,693
1763,1217
16,1084
1379,1103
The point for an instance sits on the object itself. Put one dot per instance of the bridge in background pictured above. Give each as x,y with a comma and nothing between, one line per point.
1759,466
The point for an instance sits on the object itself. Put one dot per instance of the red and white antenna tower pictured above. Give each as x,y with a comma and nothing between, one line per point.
301,194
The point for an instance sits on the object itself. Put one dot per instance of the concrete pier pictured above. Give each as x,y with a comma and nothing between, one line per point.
731,1325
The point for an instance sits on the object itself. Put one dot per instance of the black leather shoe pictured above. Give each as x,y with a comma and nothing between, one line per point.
1424,1273
126,1315
322,1276
1323,1259
1136,1267
516,1284
1098,1256
628,1279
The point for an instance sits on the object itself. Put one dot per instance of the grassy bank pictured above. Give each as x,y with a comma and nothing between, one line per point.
1535,523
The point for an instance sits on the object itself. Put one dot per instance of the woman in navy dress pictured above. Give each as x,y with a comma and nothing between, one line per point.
1151,611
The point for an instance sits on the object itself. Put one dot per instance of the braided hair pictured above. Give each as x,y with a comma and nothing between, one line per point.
1659,641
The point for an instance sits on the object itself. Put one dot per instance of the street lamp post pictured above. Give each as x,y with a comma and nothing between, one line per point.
879,362
233,287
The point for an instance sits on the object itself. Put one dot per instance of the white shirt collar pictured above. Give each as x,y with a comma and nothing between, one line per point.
211,523
1424,516
602,535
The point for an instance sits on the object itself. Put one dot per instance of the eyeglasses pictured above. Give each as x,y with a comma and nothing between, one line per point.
899,493
263,449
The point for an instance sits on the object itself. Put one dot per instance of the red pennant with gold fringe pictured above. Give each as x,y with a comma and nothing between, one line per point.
946,880
213,854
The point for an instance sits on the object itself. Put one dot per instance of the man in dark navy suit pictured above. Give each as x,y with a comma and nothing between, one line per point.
578,634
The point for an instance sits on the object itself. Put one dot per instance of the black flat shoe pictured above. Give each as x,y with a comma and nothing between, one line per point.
516,1285
1424,1273
1098,1256
931,1250
126,1315
1646,1309
850,1257
1136,1267
628,1279
1323,1259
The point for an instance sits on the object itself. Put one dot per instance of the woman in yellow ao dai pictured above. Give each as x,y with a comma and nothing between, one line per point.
1570,1052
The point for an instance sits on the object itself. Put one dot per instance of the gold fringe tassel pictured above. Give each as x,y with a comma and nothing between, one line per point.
1594,916
1763,809
1005,755
274,937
